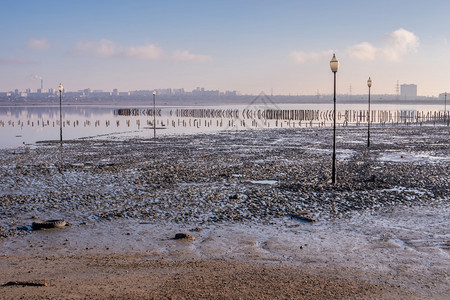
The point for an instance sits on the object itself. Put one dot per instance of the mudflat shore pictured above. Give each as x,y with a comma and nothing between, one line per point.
266,220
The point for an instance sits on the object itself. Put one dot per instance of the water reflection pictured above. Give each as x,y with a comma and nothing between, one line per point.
28,124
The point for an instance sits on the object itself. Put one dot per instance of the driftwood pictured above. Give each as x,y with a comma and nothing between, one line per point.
26,283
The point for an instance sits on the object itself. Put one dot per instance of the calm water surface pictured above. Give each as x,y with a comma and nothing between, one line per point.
21,125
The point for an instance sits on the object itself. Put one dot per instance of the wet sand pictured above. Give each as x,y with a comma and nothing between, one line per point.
138,277
381,233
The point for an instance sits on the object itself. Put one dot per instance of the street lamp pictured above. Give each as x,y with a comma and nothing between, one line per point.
445,107
334,65
369,84
154,114
60,88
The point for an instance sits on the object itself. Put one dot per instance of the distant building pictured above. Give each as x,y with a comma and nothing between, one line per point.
166,92
442,96
201,92
231,93
99,93
408,91
178,92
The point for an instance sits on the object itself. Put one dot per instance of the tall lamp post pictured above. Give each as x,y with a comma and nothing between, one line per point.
334,65
60,88
369,84
445,107
154,114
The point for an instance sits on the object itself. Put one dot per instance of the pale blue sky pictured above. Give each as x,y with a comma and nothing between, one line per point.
249,46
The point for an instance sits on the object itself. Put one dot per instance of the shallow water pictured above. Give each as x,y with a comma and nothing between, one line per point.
388,241
28,124
404,246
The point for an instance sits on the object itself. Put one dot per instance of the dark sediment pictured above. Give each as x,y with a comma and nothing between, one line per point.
236,177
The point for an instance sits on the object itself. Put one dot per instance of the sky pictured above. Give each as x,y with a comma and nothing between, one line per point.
249,46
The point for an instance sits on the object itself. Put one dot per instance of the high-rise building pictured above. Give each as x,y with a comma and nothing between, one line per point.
408,91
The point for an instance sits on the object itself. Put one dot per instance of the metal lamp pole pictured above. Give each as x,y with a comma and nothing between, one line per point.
334,65
445,107
154,114
369,84
60,88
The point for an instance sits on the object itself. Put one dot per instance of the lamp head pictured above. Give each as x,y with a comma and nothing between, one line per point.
334,64
369,82
60,87
154,93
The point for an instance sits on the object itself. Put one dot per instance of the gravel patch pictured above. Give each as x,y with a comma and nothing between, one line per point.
243,176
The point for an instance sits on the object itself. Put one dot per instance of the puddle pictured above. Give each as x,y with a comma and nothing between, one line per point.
269,182
403,245
411,157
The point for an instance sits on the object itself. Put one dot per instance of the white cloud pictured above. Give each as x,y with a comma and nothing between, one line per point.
144,52
184,55
396,44
103,48
301,57
363,51
106,48
37,44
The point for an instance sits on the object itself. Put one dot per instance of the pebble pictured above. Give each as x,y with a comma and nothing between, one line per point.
192,179
187,236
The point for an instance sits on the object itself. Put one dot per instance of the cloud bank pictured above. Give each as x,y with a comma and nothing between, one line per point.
106,48
38,44
301,57
144,52
103,48
183,55
394,46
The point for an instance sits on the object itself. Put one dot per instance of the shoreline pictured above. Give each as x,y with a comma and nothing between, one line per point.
208,102
383,226
285,259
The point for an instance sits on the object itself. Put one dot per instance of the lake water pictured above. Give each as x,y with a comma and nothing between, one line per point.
21,125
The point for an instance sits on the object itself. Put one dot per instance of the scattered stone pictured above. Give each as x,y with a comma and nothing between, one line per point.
93,183
196,229
187,236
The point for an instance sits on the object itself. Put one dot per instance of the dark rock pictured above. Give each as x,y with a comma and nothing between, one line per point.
187,236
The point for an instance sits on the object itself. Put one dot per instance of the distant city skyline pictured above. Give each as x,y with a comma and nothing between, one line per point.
247,46
404,92
169,90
